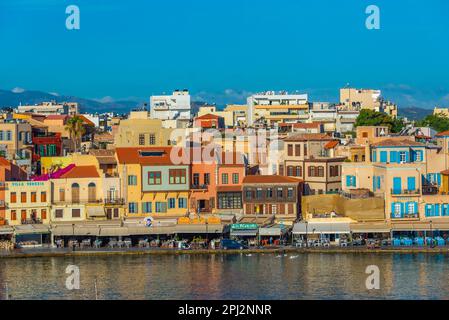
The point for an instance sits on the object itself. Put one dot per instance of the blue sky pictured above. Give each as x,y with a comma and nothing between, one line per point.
222,50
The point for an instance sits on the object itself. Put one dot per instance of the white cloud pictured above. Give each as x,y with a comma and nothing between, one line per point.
106,99
54,94
18,90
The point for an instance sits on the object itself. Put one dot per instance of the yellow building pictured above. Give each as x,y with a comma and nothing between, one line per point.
367,99
153,185
227,115
239,113
139,130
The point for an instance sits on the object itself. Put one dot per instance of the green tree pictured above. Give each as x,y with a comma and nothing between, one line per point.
374,118
437,122
75,127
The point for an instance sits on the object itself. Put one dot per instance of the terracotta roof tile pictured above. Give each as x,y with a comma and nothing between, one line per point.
81,172
148,155
4,162
442,134
332,144
398,143
208,116
309,137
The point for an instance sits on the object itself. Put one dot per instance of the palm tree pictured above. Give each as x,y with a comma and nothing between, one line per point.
75,127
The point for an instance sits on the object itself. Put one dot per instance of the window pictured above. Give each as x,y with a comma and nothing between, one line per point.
33,197
132,180
312,171
154,177
298,171
290,150
152,139
116,212
290,171
61,194
146,207
235,178
411,207
43,196
75,193
141,139
281,170
43,214
23,215
76,213
13,197
92,192
269,193
305,149
320,171
161,207
196,179
8,135
259,193
171,203
248,194
23,197
207,179
364,134
182,203
59,213
297,150
397,208
177,176
280,193
402,156
1,135
224,178
132,207
290,193
229,200
351,181
274,209
13,215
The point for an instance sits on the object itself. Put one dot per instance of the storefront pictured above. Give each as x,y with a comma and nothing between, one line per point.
332,232
245,231
32,235
272,235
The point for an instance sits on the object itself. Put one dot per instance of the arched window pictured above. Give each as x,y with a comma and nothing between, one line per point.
331,171
290,171
320,171
312,171
75,193
92,192
298,171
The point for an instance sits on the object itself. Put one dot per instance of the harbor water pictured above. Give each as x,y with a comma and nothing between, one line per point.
239,276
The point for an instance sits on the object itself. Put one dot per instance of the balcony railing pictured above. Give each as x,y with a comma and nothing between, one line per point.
408,192
199,187
115,201
32,221
405,216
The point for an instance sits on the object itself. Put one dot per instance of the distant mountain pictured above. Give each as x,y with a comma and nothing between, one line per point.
414,113
9,99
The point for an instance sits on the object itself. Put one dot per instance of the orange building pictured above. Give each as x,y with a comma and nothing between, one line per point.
8,172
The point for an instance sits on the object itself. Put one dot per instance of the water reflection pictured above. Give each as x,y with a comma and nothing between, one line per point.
304,276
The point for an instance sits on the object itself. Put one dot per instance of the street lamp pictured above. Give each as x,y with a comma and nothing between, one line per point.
307,237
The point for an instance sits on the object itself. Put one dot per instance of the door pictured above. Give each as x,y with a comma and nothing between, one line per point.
411,183
397,185
23,215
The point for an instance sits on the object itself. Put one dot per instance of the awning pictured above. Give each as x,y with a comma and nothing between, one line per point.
229,188
199,228
321,228
6,230
274,231
113,232
95,211
31,229
370,227
142,230
77,230
420,226
244,233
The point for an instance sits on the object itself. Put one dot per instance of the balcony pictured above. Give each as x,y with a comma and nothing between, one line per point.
431,189
405,192
78,201
396,216
114,202
31,221
199,187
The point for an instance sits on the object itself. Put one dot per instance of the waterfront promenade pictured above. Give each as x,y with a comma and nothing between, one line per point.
66,252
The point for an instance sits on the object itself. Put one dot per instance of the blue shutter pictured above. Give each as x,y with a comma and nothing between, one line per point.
407,156
416,207
437,210
421,155
406,207
411,183
354,181
374,156
392,210
397,185
438,179
348,181
393,156
383,156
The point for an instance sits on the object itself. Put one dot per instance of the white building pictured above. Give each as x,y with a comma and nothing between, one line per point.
277,107
174,110
50,108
